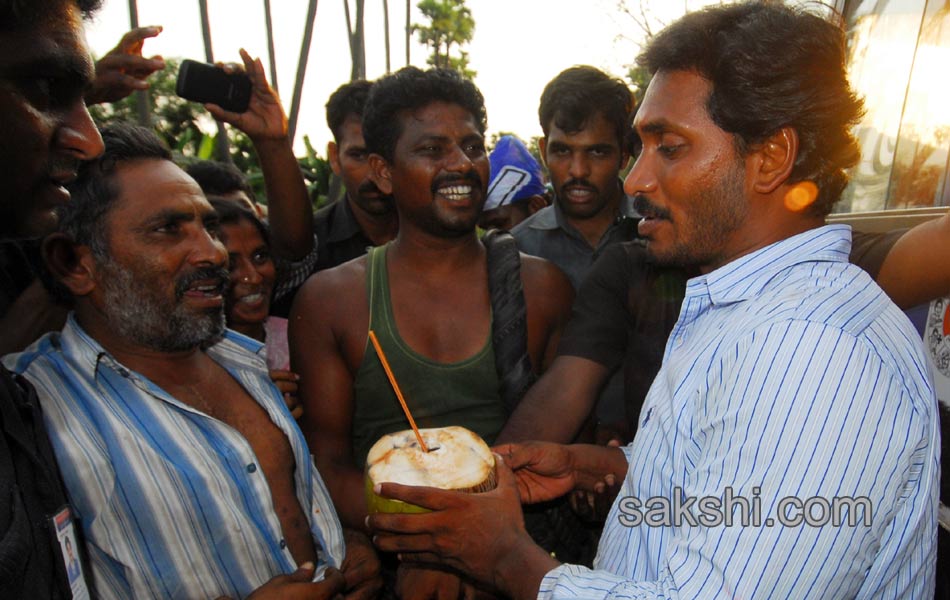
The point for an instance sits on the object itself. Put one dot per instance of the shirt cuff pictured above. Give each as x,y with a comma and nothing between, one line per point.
628,452
572,582
292,274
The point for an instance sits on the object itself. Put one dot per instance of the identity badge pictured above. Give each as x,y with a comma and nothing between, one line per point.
64,532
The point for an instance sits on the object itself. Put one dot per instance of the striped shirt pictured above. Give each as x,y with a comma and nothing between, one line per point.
788,374
172,502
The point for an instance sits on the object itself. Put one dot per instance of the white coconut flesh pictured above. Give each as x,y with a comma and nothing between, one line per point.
457,460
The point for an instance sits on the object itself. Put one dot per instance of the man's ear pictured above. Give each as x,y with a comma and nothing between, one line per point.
333,155
543,149
774,160
71,264
380,174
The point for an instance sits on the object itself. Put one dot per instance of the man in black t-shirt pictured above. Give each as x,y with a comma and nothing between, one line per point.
47,132
627,306
364,216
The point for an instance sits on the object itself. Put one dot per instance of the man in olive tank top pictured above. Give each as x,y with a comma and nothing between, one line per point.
425,294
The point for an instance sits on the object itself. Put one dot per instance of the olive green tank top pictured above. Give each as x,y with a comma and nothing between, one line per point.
463,393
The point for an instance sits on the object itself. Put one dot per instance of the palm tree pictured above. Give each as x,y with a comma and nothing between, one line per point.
357,42
141,98
221,152
301,68
386,26
269,25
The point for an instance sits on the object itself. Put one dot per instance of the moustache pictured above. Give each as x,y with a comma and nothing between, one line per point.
202,274
647,209
63,166
368,188
471,177
579,183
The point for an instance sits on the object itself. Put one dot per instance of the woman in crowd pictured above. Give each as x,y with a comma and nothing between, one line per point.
254,275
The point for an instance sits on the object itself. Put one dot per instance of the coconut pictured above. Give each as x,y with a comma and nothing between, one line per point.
457,460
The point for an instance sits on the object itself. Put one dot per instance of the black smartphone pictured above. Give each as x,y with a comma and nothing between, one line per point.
201,82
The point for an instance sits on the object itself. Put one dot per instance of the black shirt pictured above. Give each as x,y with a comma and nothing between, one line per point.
627,307
30,491
339,239
19,266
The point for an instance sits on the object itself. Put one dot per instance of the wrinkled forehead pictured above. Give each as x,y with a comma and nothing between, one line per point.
148,188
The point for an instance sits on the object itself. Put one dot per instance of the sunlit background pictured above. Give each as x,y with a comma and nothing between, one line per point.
899,54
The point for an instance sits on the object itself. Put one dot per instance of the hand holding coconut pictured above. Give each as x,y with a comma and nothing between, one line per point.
479,534
483,534
546,471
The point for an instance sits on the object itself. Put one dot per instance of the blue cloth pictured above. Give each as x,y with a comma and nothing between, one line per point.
515,174
172,502
788,373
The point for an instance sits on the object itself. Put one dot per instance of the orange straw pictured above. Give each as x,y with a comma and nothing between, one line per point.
392,381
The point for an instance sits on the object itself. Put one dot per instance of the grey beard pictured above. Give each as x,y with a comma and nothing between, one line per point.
140,317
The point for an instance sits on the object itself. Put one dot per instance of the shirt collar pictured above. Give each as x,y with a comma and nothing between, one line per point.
344,225
553,217
234,351
747,276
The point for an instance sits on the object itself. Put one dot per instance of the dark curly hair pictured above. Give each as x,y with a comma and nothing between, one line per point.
21,14
94,191
217,178
348,99
772,66
572,98
231,213
408,89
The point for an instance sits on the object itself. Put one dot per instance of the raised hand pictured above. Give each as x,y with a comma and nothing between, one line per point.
264,118
123,69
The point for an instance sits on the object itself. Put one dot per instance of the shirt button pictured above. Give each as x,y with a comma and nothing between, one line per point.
283,543
251,468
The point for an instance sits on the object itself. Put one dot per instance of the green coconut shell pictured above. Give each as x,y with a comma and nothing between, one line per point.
377,504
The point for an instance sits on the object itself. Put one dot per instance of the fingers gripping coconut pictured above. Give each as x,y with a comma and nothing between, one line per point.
457,460
480,535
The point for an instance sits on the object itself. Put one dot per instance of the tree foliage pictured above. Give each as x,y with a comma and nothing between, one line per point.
639,79
189,131
450,27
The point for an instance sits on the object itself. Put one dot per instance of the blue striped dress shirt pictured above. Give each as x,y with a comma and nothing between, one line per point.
788,374
172,502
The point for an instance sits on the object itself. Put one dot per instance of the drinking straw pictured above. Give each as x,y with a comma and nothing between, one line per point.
392,381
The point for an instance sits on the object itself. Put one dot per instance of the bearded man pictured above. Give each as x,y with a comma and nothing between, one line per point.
189,474
789,382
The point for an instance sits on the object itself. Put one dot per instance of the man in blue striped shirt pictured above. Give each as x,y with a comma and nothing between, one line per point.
789,445
187,472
